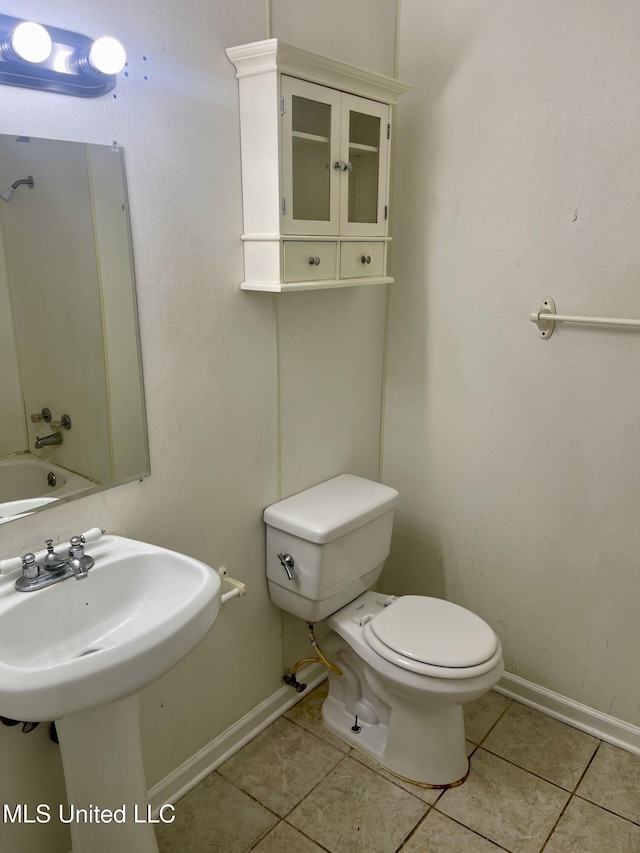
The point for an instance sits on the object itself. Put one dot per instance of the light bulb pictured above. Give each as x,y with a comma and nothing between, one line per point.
31,42
107,55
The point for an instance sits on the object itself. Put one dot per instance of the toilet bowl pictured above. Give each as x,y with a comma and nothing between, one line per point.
407,665
409,712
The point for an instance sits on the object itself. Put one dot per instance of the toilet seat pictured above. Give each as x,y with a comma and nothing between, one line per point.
433,637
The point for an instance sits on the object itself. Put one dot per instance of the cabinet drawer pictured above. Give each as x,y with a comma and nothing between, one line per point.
361,259
307,261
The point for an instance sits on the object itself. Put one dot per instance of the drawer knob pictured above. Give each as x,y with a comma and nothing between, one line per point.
314,261
366,259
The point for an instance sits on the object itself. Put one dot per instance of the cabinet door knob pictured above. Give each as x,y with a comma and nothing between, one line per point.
340,164
314,261
366,259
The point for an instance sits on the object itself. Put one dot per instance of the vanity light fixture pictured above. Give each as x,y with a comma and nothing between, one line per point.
56,60
31,42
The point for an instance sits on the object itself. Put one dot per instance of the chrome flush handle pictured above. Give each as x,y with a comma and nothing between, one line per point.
287,563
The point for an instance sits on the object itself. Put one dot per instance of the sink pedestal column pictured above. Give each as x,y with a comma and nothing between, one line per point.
102,759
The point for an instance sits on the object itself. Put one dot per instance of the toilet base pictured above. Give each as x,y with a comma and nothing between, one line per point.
421,742
370,739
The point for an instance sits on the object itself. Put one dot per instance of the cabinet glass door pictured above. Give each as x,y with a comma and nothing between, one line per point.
310,140
364,143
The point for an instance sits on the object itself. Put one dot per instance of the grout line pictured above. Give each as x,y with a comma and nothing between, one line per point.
308,837
463,825
319,782
263,836
557,821
572,795
589,763
492,727
605,809
413,831
526,770
316,735
248,794
295,805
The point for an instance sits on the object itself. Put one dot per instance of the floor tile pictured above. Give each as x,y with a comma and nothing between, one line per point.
613,781
202,822
355,810
285,839
585,828
504,803
542,745
480,715
440,834
308,714
281,765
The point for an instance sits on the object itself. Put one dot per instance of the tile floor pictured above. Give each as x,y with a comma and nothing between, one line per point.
535,784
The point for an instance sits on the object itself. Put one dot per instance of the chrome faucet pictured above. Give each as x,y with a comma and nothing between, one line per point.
78,561
56,426
55,568
48,440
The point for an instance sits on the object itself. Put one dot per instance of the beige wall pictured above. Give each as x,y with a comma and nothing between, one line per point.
13,436
518,459
249,396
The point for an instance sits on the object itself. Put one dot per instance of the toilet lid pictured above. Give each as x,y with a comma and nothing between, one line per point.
434,631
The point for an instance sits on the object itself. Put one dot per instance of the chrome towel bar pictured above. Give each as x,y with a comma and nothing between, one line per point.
545,319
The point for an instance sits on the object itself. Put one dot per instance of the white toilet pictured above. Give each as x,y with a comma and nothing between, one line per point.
408,664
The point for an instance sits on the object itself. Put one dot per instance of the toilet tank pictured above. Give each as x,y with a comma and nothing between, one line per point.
338,534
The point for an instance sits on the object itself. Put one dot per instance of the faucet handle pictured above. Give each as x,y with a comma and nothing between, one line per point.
76,547
43,415
10,565
29,566
63,423
78,558
91,535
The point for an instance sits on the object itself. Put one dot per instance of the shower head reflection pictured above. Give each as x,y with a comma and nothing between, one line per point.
5,195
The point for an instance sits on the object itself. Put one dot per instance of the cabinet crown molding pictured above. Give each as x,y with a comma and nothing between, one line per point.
273,55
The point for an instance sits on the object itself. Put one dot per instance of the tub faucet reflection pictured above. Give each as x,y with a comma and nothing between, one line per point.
56,435
48,440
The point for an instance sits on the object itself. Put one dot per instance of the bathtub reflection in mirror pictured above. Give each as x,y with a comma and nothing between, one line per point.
69,340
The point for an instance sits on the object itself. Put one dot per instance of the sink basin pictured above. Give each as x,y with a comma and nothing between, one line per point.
81,644
79,652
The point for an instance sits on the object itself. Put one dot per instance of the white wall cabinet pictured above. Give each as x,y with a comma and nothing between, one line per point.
315,142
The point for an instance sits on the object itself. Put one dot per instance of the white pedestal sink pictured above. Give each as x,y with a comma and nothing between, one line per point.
79,652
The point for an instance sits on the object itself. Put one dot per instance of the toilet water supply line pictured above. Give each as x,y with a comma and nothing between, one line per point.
291,679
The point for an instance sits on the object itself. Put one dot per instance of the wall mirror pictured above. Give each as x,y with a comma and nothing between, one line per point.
72,415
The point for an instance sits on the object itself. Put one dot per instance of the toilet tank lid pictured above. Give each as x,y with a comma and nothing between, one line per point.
331,509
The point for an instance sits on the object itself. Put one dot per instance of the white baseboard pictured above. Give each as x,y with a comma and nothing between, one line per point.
194,769
204,762
595,723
